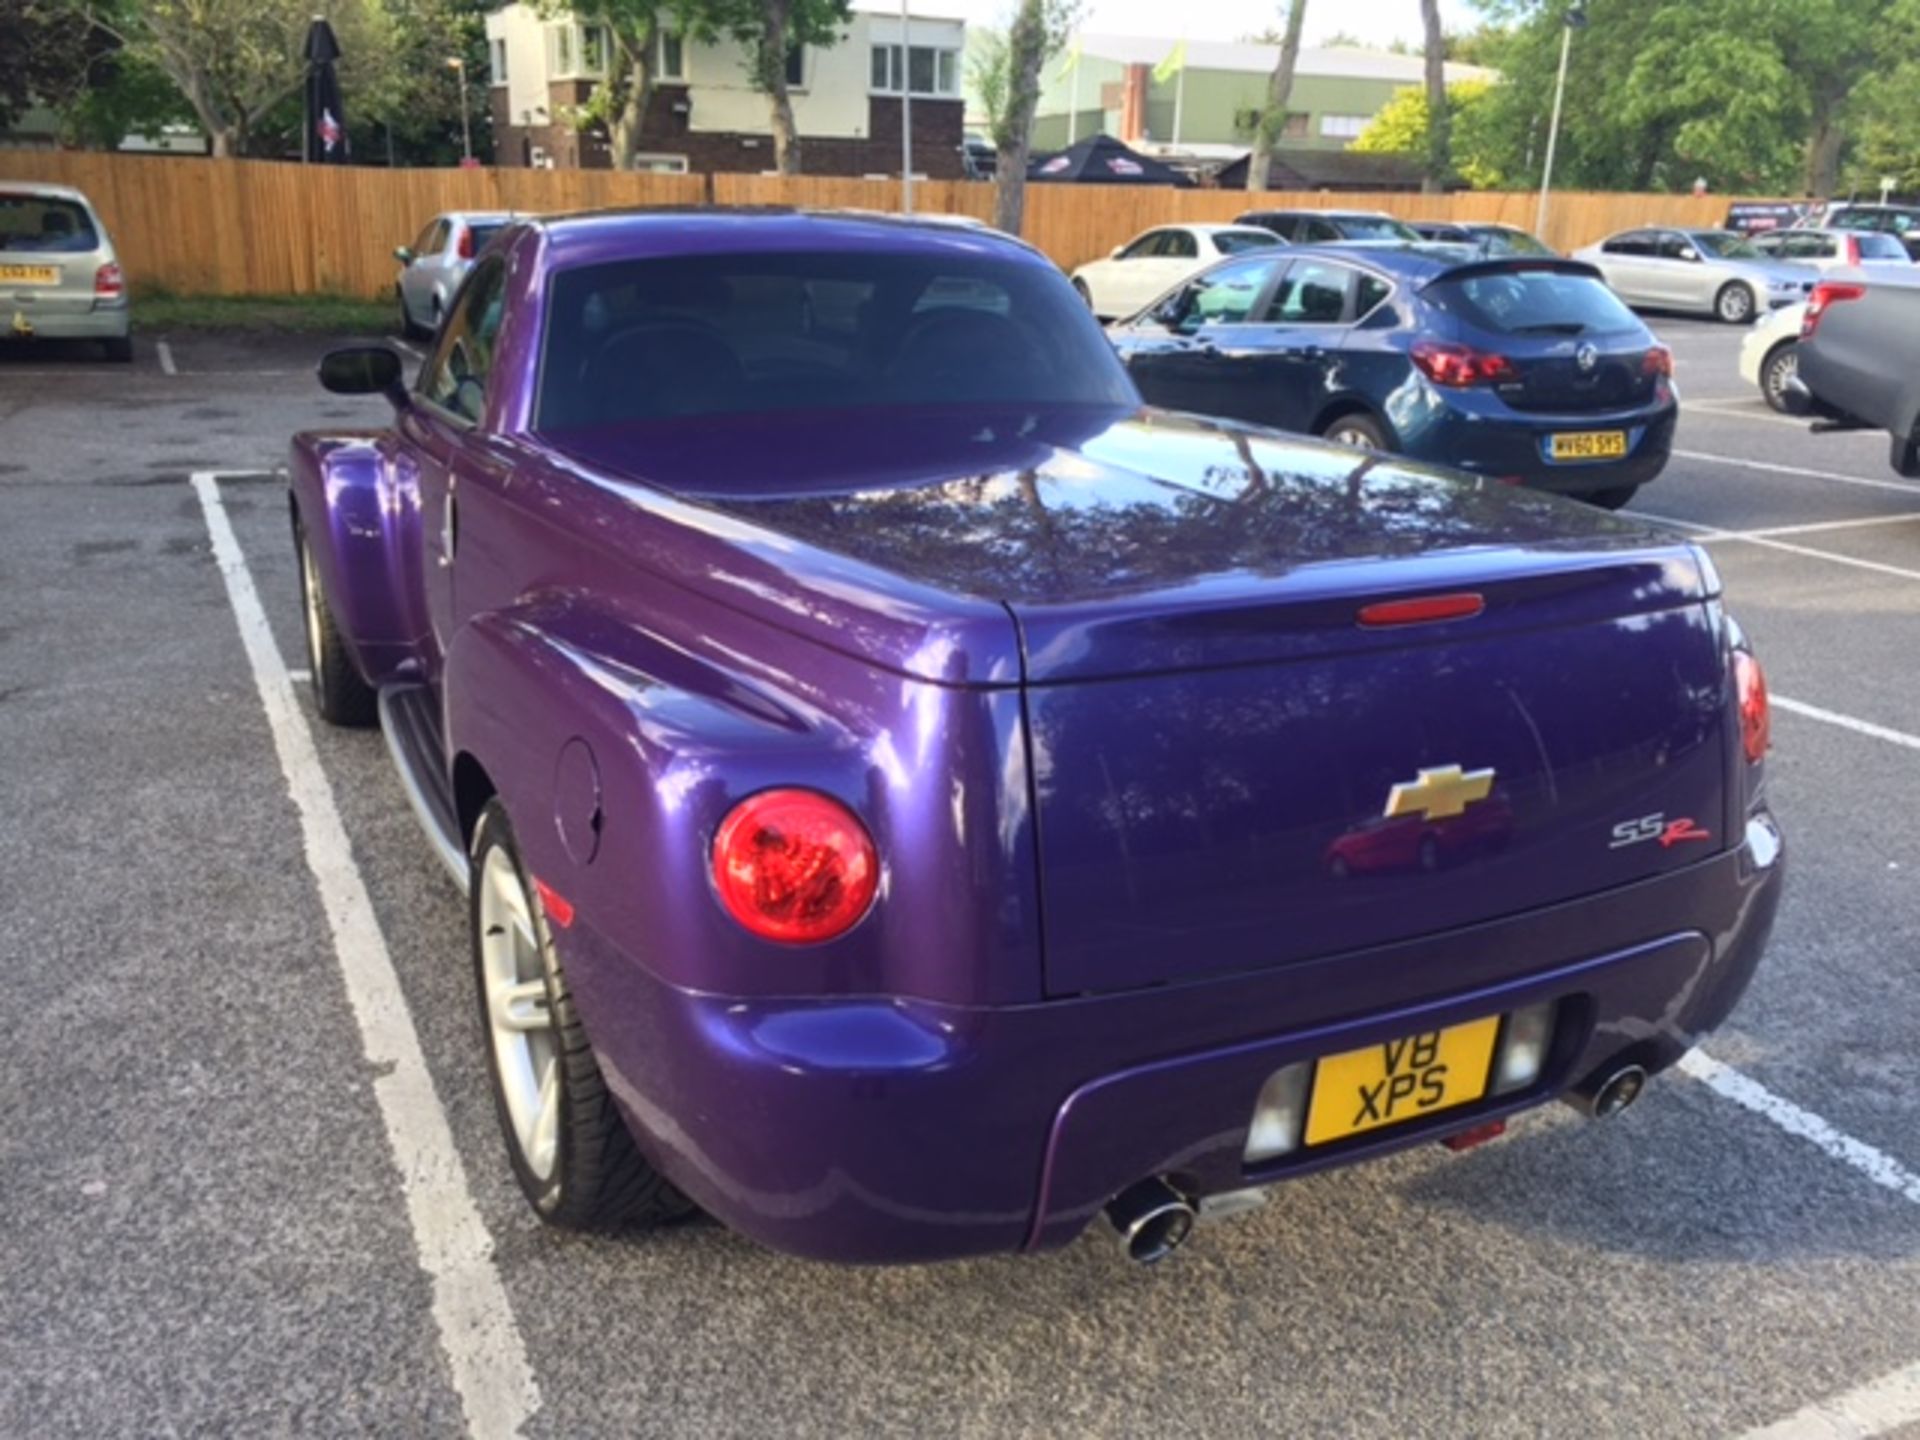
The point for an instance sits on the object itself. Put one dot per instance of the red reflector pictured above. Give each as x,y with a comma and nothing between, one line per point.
794,866
559,909
109,282
1423,611
1478,1135
1825,295
1756,716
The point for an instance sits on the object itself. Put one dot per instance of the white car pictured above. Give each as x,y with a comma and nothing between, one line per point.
1768,354
1147,266
1829,249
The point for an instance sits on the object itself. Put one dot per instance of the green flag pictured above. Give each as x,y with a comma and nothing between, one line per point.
1175,62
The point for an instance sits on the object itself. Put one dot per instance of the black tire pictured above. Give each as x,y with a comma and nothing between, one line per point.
1736,303
1617,498
1357,431
118,349
409,328
600,1180
1780,365
340,694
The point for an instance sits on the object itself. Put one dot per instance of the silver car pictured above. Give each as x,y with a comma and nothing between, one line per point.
1712,272
432,268
59,276
1829,249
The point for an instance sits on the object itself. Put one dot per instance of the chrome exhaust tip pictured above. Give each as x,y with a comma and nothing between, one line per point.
1152,1219
1612,1093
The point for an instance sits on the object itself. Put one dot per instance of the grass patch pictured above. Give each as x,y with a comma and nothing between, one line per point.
321,314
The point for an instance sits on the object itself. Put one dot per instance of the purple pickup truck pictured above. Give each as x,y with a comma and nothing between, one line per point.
913,799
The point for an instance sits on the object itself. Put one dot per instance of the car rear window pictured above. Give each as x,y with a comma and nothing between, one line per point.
746,334
1878,245
1374,227
482,234
1532,302
45,225
1232,242
1499,241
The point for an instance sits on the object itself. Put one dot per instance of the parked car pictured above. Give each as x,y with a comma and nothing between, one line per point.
978,157
1329,227
1859,358
1488,239
1829,249
1769,353
1900,221
432,268
1147,265
894,773
1711,272
59,276
1527,370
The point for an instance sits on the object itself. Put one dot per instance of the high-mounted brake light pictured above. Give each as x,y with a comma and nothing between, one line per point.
794,866
1657,361
1827,294
1756,719
1424,611
108,282
1445,363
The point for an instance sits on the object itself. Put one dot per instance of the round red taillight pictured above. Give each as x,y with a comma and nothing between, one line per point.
794,866
1756,717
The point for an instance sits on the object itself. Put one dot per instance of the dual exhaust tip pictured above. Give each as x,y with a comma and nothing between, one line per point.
1153,1219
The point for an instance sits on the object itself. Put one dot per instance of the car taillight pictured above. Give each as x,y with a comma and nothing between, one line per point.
794,866
1657,361
466,244
1825,294
1756,719
1445,363
1853,248
109,283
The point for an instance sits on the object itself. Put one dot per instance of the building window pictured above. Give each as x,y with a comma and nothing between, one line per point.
560,49
932,71
660,164
1342,127
1296,126
497,61
672,60
593,49
797,67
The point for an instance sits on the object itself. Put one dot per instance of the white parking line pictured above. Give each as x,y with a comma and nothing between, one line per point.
475,1320
1711,534
1772,469
1873,1409
1845,722
1689,407
165,352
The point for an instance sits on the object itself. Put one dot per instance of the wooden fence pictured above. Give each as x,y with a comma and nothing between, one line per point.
254,227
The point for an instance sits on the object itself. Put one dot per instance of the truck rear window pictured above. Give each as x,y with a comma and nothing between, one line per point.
45,225
748,334
1532,302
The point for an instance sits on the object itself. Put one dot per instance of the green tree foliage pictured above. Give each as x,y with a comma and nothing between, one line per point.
50,51
1400,128
1039,31
634,29
769,31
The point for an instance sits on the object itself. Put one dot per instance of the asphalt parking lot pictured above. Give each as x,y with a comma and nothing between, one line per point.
213,1224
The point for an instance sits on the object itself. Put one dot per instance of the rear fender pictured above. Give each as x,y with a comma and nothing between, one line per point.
358,506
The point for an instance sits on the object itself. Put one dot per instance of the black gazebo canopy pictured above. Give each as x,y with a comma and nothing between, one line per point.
1103,160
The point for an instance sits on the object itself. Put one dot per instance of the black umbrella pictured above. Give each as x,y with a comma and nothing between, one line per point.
326,132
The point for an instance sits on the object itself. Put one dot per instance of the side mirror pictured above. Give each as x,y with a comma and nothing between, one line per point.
1687,252
1114,254
364,370
404,254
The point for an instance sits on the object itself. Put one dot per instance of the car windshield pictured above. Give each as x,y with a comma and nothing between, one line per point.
747,334
1724,245
1498,241
1374,227
43,224
1532,302
1232,242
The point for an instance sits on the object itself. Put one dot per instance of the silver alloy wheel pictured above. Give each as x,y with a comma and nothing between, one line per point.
1736,303
310,593
1350,436
519,1022
1781,368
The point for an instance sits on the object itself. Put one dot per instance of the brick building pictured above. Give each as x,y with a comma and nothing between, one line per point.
706,116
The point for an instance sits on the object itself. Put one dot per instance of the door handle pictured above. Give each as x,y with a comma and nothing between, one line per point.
449,530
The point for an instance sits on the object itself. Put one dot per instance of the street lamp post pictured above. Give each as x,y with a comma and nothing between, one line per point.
906,111
1576,18
459,67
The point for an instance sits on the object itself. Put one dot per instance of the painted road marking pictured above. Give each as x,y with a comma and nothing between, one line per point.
1709,534
165,352
1798,470
1873,1409
478,1334
1845,722
1707,407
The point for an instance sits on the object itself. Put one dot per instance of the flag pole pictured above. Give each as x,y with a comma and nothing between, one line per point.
906,113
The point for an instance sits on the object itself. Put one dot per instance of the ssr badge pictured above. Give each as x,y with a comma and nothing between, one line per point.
1657,827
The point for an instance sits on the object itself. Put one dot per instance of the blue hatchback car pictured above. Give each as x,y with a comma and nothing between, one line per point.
1523,368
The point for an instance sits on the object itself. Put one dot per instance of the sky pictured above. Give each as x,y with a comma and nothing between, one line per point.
1376,23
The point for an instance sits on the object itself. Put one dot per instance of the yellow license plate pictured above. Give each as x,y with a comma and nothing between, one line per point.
29,275
1590,445
1400,1080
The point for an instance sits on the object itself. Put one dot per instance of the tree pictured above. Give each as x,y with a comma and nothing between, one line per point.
1439,152
1038,32
1273,118
988,57
1400,128
51,52
771,32
620,101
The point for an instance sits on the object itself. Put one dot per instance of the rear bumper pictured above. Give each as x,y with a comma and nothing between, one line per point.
102,322
1512,445
892,1130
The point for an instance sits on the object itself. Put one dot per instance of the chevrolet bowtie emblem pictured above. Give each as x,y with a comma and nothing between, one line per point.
1440,793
